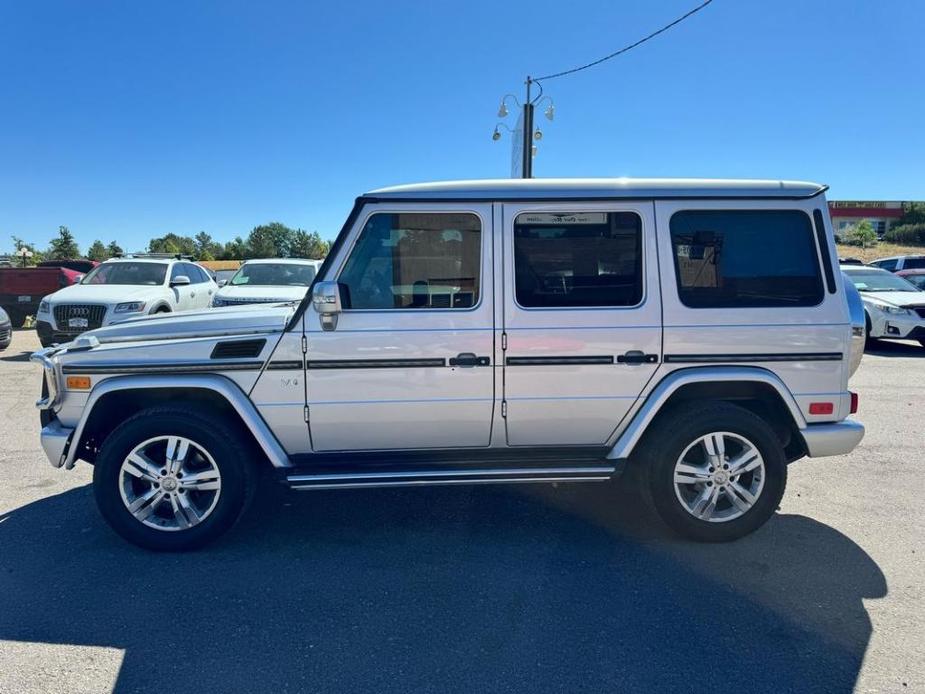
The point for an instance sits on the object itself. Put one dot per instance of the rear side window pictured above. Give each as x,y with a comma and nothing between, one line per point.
582,259
914,263
745,259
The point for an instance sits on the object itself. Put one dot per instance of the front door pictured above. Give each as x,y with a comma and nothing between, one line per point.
581,318
408,364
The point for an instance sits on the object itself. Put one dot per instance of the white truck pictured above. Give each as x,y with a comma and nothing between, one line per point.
474,332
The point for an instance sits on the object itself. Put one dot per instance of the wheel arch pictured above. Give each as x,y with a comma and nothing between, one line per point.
118,398
756,389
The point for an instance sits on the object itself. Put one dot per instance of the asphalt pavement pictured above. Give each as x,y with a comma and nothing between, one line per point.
483,589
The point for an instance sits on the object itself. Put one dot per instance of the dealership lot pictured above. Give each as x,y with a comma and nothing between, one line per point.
475,589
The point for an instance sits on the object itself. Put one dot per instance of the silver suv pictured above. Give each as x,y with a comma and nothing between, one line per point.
536,331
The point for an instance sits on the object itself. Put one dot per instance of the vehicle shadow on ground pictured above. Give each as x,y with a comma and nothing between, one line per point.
445,590
18,356
890,348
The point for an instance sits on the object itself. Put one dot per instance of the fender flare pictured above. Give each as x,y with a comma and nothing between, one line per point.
220,385
630,436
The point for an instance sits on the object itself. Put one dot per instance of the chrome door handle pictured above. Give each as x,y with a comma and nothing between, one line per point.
469,359
637,356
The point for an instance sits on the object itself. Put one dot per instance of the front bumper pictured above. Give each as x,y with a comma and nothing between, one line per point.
908,327
832,439
55,439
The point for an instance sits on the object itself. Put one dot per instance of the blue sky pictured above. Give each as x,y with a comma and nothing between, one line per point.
130,120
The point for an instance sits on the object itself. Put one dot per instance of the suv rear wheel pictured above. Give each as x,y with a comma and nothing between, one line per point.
716,472
172,479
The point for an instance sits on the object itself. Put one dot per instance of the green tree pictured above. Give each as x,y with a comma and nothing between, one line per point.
114,249
308,245
913,213
234,250
206,248
64,246
173,244
273,240
98,251
37,256
861,234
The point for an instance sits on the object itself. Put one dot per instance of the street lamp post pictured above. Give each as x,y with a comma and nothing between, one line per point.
527,133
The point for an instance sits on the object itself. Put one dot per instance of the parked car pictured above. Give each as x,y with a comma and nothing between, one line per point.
121,288
916,277
267,281
6,330
894,307
851,261
22,288
900,262
527,331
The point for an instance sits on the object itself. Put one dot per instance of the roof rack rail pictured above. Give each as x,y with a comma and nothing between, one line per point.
178,256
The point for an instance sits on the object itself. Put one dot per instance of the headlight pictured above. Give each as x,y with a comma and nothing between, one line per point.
43,306
217,302
130,307
893,310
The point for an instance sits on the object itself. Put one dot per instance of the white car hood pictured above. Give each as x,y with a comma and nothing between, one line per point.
896,298
236,320
243,292
104,293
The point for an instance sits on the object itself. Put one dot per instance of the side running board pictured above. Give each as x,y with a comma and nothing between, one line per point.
322,474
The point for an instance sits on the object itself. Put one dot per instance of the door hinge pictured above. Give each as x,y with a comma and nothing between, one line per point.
504,408
306,413
304,345
503,340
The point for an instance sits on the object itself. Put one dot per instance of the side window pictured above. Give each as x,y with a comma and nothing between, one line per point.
414,260
578,259
197,274
889,265
916,263
176,270
745,258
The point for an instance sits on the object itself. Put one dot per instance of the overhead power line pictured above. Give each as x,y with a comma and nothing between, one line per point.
625,48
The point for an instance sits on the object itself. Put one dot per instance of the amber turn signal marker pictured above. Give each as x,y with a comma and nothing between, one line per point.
78,382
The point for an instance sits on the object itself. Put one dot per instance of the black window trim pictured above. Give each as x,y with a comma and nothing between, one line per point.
822,241
547,209
357,230
677,269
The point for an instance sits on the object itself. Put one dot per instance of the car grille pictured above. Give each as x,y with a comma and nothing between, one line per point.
5,333
93,314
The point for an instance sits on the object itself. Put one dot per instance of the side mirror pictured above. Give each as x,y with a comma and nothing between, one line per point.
179,281
327,304
222,283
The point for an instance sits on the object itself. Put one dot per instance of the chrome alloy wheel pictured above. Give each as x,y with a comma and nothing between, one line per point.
719,477
169,483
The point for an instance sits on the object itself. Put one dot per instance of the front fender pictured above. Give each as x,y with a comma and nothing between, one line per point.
630,436
220,385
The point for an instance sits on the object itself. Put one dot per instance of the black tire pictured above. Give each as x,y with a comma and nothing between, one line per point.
678,428
232,455
17,317
869,342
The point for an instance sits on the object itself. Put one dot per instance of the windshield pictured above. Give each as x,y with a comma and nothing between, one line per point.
917,280
274,274
880,281
128,273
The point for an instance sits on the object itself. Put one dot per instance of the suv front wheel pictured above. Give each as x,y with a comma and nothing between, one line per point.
172,478
715,472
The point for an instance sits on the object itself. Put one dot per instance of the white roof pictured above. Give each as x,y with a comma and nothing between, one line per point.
603,188
276,261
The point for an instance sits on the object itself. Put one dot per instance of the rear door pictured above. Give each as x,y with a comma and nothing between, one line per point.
409,363
581,321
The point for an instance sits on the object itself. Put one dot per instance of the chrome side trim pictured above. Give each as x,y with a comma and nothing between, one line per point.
50,369
605,470
437,482
221,385
167,367
832,439
626,441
